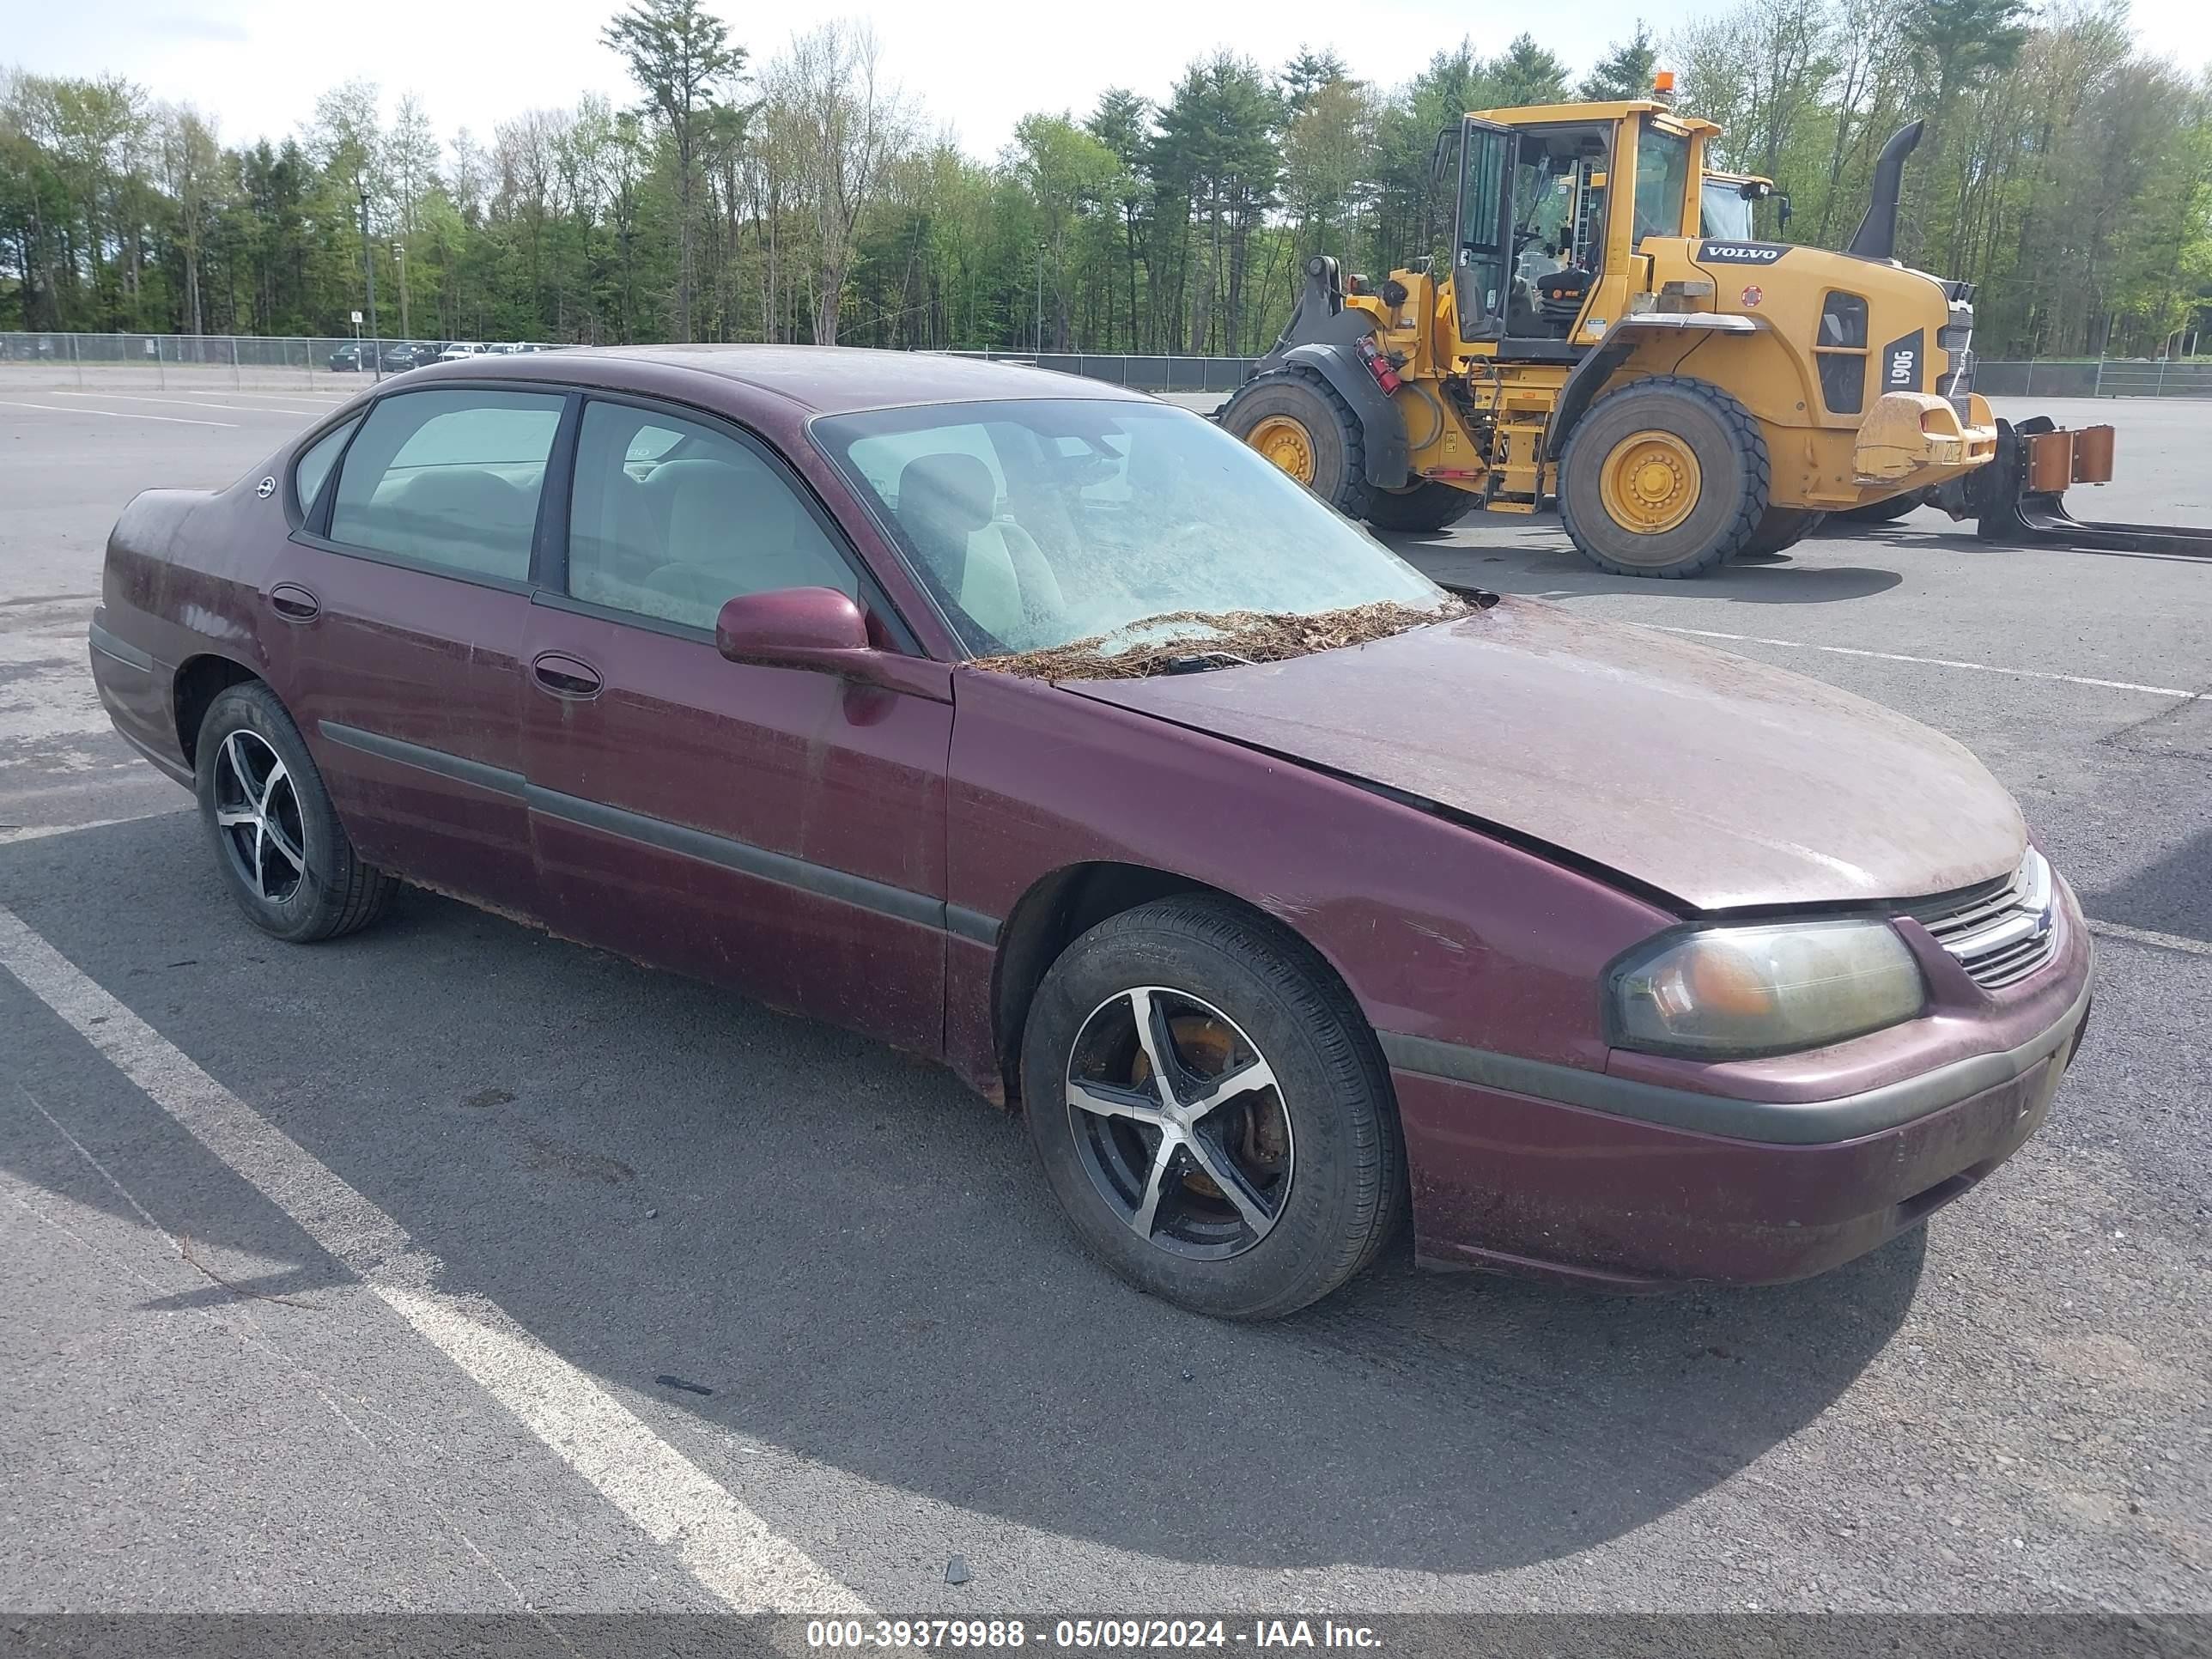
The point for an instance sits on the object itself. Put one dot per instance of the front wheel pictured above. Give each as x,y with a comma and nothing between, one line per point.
278,839
1666,477
1211,1110
1302,423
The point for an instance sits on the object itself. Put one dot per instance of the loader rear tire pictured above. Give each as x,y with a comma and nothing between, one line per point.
1666,477
1302,423
1427,506
1884,512
1778,529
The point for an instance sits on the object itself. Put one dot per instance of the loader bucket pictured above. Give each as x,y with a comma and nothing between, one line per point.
2016,497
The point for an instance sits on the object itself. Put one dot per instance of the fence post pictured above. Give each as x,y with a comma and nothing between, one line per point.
2028,391
237,376
76,362
2160,391
2097,386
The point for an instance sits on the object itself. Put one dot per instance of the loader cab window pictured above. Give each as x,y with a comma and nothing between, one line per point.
1662,182
1561,185
1725,212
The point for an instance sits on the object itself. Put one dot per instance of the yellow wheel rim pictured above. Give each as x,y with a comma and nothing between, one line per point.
1287,444
1650,483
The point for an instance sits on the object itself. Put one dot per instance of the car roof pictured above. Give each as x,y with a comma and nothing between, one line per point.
820,380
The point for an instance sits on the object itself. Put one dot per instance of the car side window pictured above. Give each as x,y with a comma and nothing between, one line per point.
315,463
671,519
449,479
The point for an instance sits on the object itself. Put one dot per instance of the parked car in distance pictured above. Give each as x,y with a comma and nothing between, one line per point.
393,356
460,350
1042,729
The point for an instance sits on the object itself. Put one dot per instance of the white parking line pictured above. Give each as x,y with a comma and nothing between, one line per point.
10,834
2194,947
114,414
178,402
1940,662
725,1546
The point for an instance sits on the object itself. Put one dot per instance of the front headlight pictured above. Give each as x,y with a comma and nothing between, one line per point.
1765,989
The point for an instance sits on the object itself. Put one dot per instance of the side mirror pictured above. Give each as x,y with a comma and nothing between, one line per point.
813,627
1782,210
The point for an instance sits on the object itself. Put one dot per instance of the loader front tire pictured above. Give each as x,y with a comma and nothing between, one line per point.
1298,421
1666,477
1427,506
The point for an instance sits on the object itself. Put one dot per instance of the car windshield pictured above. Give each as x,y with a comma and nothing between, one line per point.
1041,524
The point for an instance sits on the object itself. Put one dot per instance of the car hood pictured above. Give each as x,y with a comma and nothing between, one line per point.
1721,782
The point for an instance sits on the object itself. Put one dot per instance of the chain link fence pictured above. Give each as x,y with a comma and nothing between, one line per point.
1139,371
245,362
205,362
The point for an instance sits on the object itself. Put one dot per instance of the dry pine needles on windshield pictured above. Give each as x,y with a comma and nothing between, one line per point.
1225,636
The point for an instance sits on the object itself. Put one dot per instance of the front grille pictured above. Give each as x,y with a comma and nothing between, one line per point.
2001,931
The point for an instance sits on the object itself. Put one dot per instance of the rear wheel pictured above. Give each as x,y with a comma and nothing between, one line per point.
1883,512
1425,505
277,838
1211,1110
1302,423
1778,528
1666,477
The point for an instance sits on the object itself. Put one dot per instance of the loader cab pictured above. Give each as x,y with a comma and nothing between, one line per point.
1552,204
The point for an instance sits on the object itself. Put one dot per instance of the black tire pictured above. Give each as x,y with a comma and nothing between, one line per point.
1338,442
1343,1189
1779,528
1734,470
329,890
1886,511
1427,506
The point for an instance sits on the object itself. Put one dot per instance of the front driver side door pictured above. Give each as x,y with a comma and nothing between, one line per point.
780,830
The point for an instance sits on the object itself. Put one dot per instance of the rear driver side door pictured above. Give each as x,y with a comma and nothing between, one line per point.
393,622
780,830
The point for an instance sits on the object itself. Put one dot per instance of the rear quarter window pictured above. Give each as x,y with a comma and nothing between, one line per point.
449,479
315,463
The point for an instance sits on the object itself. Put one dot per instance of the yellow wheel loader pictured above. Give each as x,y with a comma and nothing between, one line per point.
1685,397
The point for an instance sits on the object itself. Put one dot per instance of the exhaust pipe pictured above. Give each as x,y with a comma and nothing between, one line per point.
1876,236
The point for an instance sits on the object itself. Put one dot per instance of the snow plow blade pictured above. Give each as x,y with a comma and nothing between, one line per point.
2017,496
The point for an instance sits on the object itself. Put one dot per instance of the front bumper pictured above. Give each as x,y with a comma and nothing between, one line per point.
1914,439
1507,1178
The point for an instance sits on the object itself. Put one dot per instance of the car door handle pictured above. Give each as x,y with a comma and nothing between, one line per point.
563,675
294,603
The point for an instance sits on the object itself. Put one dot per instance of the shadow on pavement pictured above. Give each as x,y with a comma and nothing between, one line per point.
861,1260
2173,896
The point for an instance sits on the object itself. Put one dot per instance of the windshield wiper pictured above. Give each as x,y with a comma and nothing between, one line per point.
1200,662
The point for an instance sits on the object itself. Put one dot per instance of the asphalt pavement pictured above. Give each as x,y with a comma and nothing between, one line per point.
885,1349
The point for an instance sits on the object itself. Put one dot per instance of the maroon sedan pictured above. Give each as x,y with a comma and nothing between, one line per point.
816,673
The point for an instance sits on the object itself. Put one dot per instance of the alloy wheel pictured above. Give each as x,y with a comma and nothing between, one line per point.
257,814
1180,1122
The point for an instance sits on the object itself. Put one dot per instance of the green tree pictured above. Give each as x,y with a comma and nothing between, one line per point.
1528,74
1626,71
682,58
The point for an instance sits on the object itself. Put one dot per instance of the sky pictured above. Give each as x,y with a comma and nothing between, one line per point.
257,66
